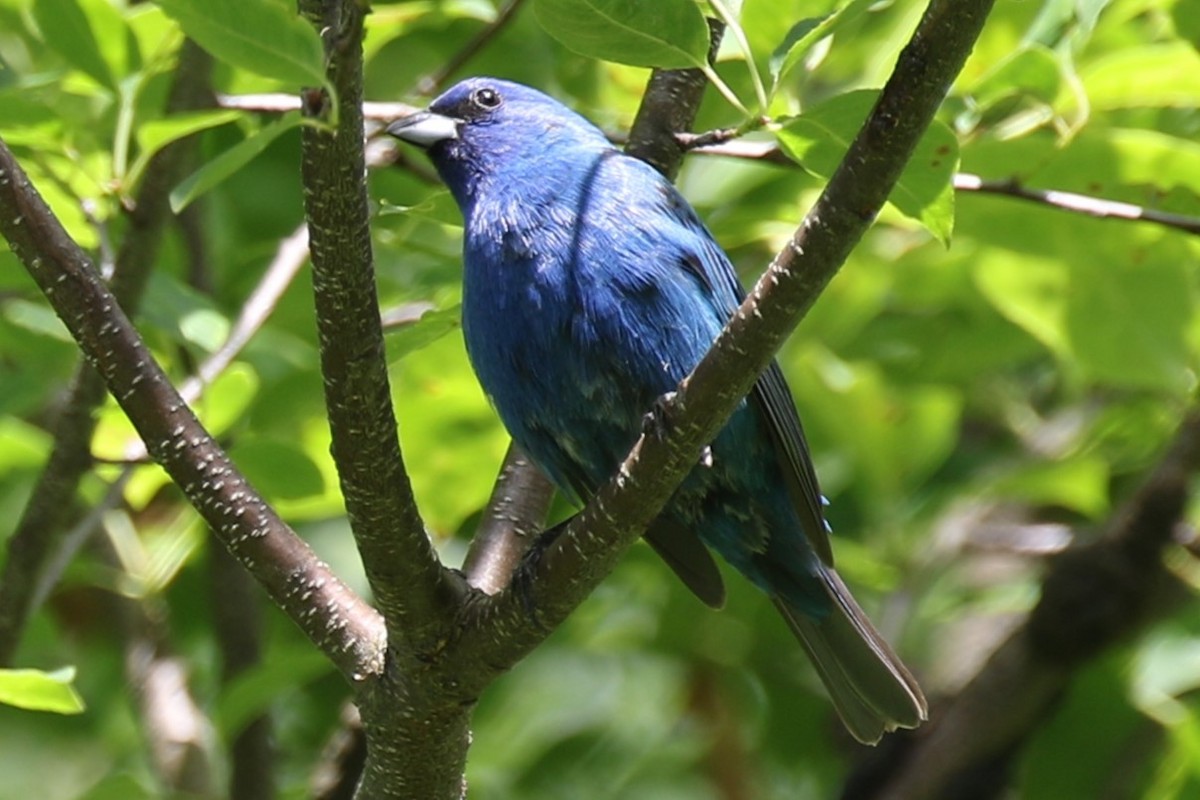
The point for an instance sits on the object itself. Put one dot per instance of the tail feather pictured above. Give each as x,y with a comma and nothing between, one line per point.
871,688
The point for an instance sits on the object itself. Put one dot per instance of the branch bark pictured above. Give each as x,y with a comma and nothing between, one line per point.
410,586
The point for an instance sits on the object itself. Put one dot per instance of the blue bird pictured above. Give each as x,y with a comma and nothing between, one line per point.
590,289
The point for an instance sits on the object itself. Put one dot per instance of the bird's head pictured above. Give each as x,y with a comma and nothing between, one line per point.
489,128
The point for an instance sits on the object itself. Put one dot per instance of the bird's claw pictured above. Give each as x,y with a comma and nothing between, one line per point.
657,421
523,577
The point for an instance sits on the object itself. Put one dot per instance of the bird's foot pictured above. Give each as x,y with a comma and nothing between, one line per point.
523,577
657,420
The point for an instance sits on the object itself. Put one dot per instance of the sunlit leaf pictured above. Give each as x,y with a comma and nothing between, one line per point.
277,468
41,691
1157,75
261,36
666,33
152,136
819,138
229,162
431,326
807,32
67,29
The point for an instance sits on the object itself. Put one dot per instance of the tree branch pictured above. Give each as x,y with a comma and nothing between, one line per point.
514,515
1076,203
668,110
347,630
410,586
1094,596
576,562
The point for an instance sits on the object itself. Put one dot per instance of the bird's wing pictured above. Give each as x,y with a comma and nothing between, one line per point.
770,394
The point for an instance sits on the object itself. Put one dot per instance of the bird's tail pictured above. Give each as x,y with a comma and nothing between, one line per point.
871,688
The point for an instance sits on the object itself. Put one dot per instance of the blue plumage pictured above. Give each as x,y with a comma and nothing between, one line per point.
591,289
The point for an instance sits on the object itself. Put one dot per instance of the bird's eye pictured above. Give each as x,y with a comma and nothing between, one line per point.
486,98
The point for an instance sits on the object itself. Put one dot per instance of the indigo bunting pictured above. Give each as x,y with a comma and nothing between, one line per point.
590,289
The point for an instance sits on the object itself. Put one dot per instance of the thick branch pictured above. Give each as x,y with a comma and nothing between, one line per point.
1093,597
582,556
341,625
408,581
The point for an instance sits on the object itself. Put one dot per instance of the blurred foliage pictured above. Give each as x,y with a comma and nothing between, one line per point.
1028,372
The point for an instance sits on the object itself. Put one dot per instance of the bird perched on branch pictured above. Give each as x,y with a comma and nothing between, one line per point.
591,289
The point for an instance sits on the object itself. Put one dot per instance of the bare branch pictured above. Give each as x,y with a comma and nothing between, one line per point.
1077,203
716,143
668,109
342,626
512,519
410,586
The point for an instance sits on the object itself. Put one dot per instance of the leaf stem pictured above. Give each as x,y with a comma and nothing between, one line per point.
731,23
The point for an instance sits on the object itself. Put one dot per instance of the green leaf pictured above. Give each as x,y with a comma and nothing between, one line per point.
1080,484
431,326
67,30
807,32
437,206
40,691
1029,290
819,139
283,671
1034,70
277,468
1186,15
156,134
1128,319
261,36
227,398
22,446
669,34
231,161
1152,76
36,318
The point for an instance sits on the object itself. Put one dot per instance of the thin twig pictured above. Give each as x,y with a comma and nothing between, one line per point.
436,79
1077,203
720,143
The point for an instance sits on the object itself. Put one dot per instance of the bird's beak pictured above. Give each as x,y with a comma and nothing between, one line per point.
425,128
